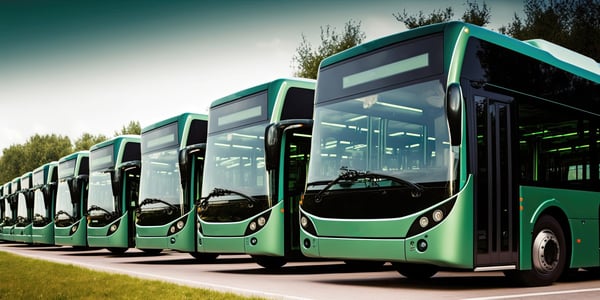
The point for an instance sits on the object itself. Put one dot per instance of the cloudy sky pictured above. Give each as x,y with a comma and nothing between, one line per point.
69,67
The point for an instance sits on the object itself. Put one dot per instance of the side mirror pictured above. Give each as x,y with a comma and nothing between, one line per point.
454,112
185,162
116,176
274,133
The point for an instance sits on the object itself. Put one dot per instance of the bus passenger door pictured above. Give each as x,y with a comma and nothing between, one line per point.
297,151
495,148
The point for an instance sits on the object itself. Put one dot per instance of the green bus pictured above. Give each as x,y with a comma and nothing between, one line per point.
71,200
44,181
23,226
454,147
256,159
113,193
10,220
172,163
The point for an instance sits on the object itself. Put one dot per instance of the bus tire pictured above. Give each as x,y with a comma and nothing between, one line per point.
416,271
152,251
117,250
548,254
204,257
269,262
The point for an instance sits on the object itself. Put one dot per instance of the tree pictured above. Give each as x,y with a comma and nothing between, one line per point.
574,24
38,150
132,128
307,59
473,14
87,140
437,16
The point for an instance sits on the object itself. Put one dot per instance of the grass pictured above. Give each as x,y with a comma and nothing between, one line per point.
27,278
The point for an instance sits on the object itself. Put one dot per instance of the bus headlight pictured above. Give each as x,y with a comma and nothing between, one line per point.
252,226
180,224
303,221
424,221
261,221
73,229
438,215
113,227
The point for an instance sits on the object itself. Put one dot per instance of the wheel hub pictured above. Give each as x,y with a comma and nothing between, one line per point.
546,251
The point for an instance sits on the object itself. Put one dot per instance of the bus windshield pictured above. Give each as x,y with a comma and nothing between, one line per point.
22,216
160,186
101,204
400,132
65,210
235,164
40,211
7,217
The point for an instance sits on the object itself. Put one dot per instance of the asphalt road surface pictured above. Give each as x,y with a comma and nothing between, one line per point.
308,279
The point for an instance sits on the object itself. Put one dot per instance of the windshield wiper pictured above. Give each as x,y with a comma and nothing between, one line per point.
352,175
218,192
107,214
62,212
147,201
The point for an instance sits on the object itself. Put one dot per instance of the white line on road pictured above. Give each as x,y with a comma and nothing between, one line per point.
535,294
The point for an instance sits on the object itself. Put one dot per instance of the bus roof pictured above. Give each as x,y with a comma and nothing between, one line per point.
74,155
116,140
271,85
542,50
26,181
46,169
170,120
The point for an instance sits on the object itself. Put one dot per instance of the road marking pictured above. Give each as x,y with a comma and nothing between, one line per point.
536,294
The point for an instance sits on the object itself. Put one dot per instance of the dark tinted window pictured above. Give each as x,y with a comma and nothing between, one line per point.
298,104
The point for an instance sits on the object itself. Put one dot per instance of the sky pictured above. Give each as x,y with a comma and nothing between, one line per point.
74,67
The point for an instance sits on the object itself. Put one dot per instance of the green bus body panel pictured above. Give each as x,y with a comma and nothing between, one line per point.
270,238
184,240
43,235
230,238
99,237
63,237
218,244
7,233
585,228
23,234
151,237
451,240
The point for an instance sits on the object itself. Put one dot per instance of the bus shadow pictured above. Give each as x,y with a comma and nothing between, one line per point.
191,260
309,269
456,282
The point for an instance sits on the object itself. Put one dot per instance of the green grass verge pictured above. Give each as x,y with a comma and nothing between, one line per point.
27,278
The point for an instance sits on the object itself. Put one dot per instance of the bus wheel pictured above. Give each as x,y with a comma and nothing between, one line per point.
115,250
152,251
269,262
415,271
204,257
548,254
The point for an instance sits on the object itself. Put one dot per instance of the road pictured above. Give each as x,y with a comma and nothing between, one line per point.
308,279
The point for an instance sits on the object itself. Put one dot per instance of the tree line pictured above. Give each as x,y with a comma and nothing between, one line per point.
39,149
